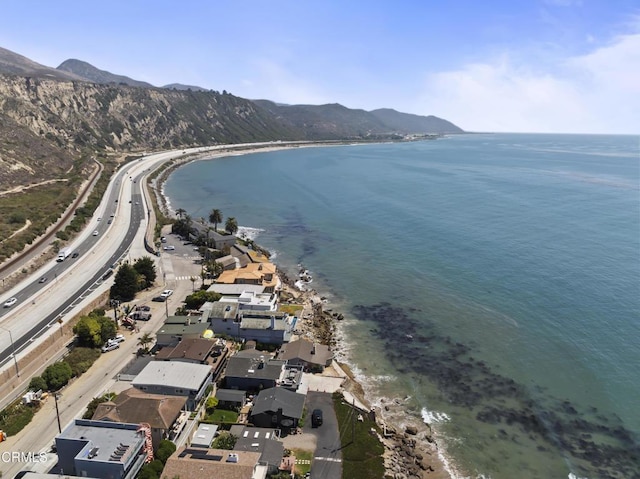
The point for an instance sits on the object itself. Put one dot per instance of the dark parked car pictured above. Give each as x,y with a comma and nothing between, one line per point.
159,299
316,418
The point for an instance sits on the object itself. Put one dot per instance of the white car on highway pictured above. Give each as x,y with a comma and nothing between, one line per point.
10,302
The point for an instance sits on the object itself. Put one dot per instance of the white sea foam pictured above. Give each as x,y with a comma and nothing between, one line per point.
248,232
573,476
431,417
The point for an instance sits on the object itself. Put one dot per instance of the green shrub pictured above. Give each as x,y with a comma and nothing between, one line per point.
37,383
80,359
14,418
57,375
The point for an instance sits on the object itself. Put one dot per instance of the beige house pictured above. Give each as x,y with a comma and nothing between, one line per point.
263,274
312,356
165,414
198,463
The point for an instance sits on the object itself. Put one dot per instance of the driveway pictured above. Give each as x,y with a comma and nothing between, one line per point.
327,460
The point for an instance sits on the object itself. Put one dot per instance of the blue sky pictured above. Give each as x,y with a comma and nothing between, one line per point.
531,66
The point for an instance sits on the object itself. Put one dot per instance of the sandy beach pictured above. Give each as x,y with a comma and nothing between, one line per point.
411,447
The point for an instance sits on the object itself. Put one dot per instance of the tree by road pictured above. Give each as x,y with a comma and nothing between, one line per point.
146,268
57,375
145,340
126,283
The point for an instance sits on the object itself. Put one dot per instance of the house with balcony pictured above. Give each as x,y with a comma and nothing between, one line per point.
270,327
312,356
251,301
166,415
263,274
175,378
251,370
102,449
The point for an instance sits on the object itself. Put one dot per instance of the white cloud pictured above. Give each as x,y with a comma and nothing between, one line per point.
594,93
276,83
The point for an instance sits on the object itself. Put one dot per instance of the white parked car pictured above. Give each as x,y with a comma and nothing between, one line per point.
117,340
166,293
10,302
109,347
169,248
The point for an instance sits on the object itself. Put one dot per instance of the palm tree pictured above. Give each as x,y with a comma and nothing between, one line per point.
145,340
231,225
193,284
180,212
215,217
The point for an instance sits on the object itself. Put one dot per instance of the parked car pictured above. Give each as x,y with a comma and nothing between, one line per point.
109,347
169,248
316,418
10,302
43,280
117,340
159,299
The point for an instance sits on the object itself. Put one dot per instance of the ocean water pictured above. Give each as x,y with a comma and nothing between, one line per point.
490,283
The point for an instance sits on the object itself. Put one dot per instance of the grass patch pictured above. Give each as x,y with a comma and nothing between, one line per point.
362,452
302,455
220,416
291,309
15,417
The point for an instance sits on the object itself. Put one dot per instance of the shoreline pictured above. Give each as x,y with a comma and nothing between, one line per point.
410,445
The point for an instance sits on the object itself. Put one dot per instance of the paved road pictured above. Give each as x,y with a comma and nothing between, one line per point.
101,378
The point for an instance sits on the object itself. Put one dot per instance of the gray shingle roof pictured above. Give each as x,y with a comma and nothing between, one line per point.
272,399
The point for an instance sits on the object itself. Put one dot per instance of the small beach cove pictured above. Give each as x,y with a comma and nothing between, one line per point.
452,333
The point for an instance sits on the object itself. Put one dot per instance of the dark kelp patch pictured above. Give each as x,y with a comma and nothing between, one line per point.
596,444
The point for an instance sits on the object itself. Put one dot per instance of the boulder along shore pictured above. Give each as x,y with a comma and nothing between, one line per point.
410,449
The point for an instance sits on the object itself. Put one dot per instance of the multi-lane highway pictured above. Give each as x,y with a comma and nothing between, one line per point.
41,305
122,207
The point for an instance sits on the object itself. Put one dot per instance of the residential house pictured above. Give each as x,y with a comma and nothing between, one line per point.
250,301
263,440
233,399
204,435
310,355
102,449
165,414
234,289
252,371
175,378
263,274
177,328
270,327
217,240
277,408
212,352
198,463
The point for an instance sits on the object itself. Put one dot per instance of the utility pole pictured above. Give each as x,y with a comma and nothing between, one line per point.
55,396
115,303
13,350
